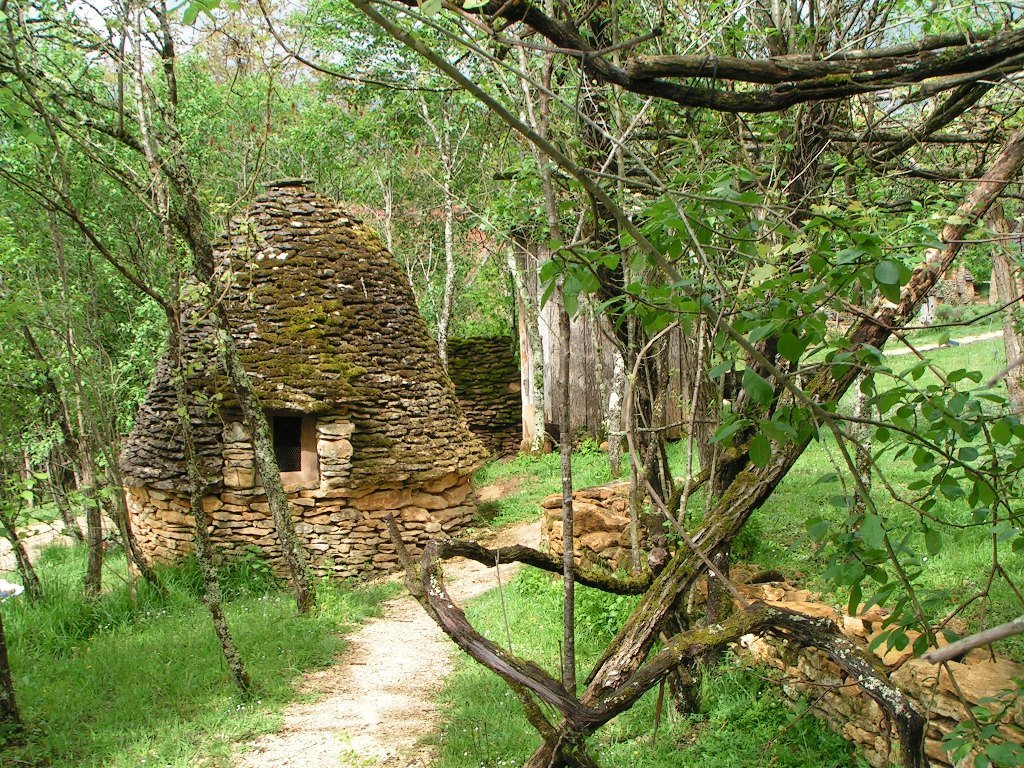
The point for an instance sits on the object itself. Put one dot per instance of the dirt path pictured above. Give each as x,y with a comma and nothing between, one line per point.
34,537
960,342
375,705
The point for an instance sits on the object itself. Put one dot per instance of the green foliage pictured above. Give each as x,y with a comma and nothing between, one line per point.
993,712
117,682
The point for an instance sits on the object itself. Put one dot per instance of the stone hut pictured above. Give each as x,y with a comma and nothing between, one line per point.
485,372
364,419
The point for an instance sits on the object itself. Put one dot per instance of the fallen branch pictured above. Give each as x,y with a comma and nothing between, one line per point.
590,577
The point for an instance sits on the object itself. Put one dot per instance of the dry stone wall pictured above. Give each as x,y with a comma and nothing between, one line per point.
837,699
342,529
602,537
601,525
486,377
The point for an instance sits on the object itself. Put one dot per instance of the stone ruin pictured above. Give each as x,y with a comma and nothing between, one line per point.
365,421
485,372
601,520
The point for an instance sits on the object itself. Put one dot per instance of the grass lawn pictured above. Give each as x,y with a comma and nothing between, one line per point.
108,683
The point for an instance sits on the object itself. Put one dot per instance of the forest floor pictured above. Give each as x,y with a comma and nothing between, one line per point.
375,706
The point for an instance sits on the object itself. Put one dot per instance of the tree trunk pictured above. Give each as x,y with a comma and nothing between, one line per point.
270,474
93,580
568,529
133,552
614,424
1007,283
59,480
531,348
862,450
10,720
212,596
752,486
88,475
29,578
191,222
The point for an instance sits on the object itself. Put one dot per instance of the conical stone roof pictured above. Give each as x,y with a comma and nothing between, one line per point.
325,323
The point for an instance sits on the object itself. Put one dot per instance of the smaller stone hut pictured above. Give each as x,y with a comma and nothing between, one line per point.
485,372
365,421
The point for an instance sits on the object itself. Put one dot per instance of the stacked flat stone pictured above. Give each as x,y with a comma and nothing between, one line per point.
977,676
327,327
486,376
600,526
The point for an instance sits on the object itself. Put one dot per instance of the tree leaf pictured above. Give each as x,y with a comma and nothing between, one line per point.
726,431
871,531
720,370
887,272
759,390
430,7
791,347
760,451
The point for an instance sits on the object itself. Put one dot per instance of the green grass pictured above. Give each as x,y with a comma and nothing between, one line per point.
742,723
110,683
538,477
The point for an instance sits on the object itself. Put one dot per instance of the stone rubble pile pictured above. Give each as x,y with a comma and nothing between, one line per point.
601,525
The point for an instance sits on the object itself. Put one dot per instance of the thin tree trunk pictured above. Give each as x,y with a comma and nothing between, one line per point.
29,578
135,556
444,319
191,222
9,717
614,424
93,580
531,350
58,482
1007,283
212,596
270,474
568,528
88,475
862,450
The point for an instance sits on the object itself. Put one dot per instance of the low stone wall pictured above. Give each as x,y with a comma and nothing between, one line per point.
485,372
600,525
342,529
837,699
602,537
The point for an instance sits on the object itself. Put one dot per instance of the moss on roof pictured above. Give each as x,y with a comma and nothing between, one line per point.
325,323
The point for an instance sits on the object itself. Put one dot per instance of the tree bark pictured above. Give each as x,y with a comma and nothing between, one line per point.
1007,283
29,578
191,222
270,474
212,597
9,717
568,528
531,348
